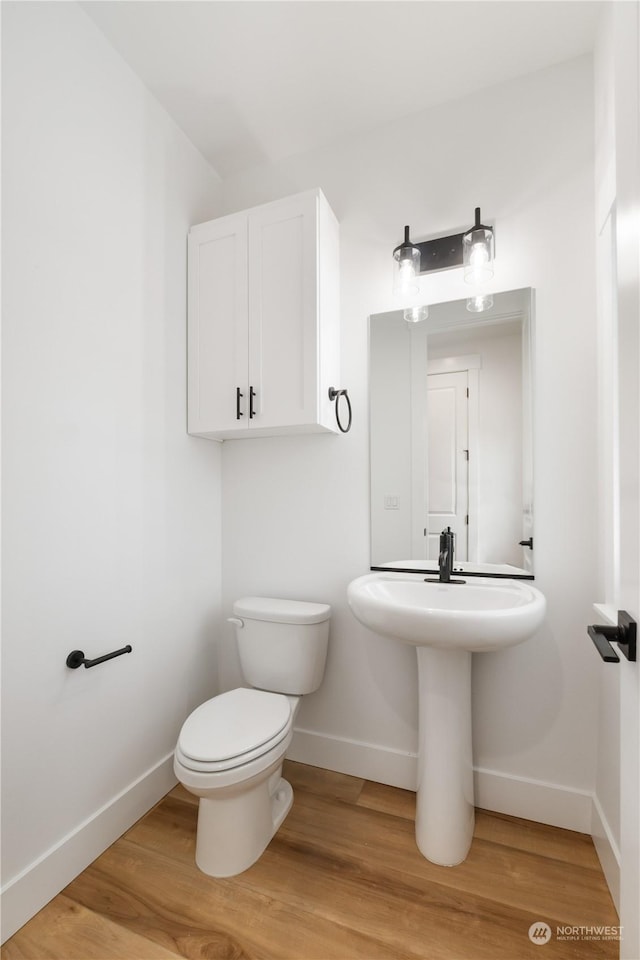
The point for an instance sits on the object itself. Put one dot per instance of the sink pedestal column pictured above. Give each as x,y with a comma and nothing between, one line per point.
445,810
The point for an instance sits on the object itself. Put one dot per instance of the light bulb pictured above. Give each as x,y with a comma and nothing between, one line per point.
479,256
406,278
482,301
477,252
406,269
416,314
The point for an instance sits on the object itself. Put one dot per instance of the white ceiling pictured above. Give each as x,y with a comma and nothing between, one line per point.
251,81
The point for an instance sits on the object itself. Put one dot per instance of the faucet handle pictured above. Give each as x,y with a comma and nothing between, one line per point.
448,539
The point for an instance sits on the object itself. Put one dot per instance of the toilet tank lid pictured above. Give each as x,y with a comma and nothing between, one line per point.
281,611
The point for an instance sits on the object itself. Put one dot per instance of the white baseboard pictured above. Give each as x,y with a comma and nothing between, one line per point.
538,800
607,850
354,757
31,889
550,803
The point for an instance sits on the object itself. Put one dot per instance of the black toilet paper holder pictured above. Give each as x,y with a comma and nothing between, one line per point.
77,658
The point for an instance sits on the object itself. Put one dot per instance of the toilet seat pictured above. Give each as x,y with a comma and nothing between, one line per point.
232,729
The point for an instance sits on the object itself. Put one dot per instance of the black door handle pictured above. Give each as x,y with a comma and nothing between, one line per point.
239,396
527,543
252,394
600,636
624,635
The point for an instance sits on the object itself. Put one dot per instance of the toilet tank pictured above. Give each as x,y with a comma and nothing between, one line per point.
282,643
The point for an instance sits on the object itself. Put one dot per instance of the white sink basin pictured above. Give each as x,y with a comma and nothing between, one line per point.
480,615
447,623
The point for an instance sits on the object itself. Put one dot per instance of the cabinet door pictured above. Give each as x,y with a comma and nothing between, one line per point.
217,328
283,311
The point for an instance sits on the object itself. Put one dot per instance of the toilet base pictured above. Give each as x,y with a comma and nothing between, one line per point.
235,828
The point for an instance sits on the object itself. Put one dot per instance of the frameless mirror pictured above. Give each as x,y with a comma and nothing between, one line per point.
451,437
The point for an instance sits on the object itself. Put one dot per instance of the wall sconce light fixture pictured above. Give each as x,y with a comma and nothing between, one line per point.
477,252
473,249
407,268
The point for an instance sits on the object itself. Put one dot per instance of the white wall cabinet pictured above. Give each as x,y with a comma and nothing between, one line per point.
264,320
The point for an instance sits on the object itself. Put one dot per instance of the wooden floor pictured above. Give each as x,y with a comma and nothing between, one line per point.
342,879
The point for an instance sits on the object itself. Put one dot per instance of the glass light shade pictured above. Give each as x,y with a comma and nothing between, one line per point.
405,272
416,314
477,255
480,302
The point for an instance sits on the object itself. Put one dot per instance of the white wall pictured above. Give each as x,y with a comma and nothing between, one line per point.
296,510
112,519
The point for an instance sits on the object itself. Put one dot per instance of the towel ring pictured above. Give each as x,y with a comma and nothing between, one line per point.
335,395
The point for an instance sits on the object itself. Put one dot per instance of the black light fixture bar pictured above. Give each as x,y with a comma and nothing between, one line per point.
473,249
441,253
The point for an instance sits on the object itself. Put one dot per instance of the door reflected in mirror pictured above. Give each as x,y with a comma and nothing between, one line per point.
451,436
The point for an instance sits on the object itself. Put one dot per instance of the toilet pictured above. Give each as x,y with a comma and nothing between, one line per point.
231,748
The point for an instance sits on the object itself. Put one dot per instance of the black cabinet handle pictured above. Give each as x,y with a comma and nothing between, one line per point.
527,543
252,394
77,658
239,396
624,635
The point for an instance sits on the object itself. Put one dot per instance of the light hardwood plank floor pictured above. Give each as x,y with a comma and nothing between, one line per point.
342,880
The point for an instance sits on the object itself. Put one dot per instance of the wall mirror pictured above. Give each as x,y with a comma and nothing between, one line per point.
451,437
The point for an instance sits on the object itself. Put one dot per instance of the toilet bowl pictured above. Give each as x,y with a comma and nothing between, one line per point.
231,748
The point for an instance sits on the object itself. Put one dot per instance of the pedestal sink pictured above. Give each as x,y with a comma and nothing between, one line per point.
446,623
